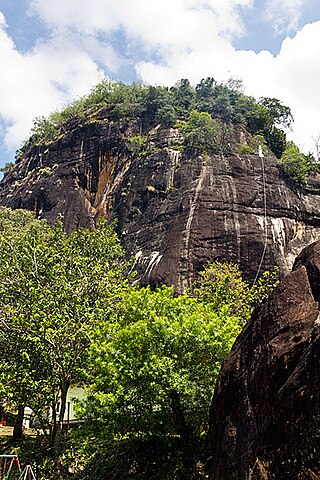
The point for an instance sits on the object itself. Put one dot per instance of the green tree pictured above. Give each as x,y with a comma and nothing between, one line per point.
276,140
7,168
280,114
53,288
183,97
221,286
200,132
43,130
206,88
296,165
153,364
154,99
268,117
149,105
167,116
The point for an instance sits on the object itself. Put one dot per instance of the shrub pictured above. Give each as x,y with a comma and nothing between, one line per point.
7,168
246,150
296,165
200,132
167,116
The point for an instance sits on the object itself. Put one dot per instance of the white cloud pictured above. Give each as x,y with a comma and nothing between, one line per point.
166,41
64,66
154,22
292,76
45,78
3,23
183,32
284,15
298,78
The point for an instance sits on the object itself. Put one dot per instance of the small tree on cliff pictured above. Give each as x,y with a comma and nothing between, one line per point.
200,132
296,165
53,288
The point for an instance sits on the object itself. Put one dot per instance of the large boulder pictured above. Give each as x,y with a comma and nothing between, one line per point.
265,414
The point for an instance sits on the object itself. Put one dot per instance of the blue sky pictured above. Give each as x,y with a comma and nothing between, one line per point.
54,51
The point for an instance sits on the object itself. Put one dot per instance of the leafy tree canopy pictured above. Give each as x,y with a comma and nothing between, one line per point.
221,286
153,362
224,102
52,290
296,165
152,366
200,132
280,114
149,360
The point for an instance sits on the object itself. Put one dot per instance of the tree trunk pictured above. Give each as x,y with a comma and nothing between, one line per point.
178,416
53,424
58,434
18,424
185,432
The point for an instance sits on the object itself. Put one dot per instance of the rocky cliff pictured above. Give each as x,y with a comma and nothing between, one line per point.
265,414
175,211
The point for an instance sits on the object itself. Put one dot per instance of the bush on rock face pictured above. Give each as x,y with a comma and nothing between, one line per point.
296,165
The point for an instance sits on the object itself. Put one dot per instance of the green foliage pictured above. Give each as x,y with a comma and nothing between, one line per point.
7,168
296,165
44,129
149,359
200,132
152,105
256,141
252,148
265,118
222,287
166,116
246,150
154,100
52,290
276,140
183,94
136,144
152,366
280,115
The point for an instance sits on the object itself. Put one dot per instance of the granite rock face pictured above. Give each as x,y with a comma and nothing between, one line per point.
265,414
175,212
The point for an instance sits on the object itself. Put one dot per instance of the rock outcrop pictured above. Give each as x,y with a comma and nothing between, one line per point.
175,212
265,414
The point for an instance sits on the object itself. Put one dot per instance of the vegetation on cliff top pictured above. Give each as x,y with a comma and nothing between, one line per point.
224,103
148,360
208,115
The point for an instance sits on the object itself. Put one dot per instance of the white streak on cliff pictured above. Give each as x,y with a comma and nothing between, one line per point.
153,262
175,158
186,273
278,234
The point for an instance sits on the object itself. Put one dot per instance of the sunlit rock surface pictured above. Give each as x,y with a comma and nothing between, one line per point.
175,212
265,414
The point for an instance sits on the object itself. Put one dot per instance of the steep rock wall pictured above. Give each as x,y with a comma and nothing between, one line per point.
265,414
175,211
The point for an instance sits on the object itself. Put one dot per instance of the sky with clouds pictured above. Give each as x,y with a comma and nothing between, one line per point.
52,52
